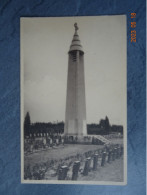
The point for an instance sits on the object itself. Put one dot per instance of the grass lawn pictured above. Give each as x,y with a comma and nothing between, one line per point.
62,152
58,153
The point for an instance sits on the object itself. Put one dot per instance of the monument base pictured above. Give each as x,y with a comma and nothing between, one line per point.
85,139
77,139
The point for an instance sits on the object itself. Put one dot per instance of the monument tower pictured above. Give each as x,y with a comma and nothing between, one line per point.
75,116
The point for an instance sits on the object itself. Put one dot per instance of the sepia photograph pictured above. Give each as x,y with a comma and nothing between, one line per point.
74,100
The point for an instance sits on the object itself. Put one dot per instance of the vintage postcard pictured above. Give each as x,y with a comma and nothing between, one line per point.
74,100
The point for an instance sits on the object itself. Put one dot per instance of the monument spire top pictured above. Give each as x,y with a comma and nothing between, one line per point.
76,27
76,45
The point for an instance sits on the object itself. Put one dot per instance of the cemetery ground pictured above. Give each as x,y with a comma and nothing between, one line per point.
62,152
110,172
58,153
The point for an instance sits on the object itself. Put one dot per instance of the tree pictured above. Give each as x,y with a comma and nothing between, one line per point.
107,125
27,124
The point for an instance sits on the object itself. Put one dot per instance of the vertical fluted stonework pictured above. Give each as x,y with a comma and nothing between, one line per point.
75,116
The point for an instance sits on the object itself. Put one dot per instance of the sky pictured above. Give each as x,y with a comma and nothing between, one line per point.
45,44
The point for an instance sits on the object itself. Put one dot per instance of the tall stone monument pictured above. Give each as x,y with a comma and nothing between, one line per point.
75,116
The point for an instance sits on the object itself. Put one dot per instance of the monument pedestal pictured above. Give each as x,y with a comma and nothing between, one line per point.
77,139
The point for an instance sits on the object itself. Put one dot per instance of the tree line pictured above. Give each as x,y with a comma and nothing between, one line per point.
102,128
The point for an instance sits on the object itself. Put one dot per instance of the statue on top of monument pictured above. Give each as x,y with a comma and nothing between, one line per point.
76,27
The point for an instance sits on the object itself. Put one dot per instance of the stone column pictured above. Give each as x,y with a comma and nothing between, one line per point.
103,159
86,167
62,173
95,161
75,170
109,156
